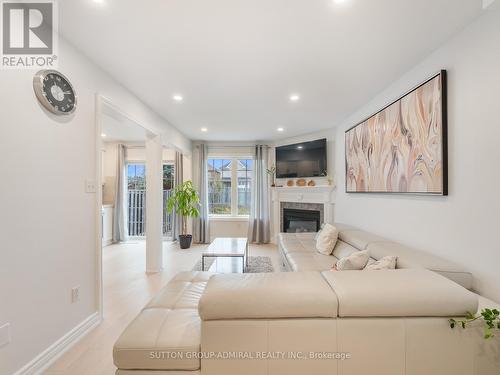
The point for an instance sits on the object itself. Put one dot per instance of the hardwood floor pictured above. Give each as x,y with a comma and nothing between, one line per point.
127,288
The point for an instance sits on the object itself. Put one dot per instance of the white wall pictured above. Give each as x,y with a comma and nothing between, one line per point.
464,226
230,227
48,222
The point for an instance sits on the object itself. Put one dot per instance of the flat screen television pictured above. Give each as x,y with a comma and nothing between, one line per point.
306,159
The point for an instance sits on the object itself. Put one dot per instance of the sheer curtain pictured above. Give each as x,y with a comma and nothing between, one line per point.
259,226
201,232
178,180
120,231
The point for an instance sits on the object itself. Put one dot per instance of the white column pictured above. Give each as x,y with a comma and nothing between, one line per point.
154,205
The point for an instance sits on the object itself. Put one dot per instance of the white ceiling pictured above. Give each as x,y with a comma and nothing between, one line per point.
236,62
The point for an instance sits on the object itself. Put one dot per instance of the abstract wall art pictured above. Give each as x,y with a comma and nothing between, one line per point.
403,147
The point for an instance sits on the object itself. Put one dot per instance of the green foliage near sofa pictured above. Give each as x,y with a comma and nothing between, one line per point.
185,201
490,317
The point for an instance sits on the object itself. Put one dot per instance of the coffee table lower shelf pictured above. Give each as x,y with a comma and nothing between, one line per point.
244,262
227,248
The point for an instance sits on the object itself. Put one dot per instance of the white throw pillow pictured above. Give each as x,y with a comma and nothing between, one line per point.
319,231
355,261
385,263
327,238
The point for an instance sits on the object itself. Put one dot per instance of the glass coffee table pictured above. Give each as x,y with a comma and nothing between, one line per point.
227,248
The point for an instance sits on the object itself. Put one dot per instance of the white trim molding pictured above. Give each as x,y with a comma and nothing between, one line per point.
45,359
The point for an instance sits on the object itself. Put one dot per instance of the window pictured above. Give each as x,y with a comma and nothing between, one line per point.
229,186
136,199
219,186
168,176
168,185
245,167
136,176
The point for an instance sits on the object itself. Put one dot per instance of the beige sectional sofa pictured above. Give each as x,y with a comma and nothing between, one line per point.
298,253
311,321
168,323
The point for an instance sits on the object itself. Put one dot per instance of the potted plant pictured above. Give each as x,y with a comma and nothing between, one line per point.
272,172
186,202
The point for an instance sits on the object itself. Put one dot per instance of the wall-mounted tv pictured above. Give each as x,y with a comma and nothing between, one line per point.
306,159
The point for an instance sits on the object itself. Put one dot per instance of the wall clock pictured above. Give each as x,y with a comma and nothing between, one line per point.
54,91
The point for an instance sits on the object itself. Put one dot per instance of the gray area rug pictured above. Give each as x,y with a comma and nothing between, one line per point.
255,265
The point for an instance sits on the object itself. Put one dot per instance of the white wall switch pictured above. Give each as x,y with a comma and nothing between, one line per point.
90,186
5,334
75,294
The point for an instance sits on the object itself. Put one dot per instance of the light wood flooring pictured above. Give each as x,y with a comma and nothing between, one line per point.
127,288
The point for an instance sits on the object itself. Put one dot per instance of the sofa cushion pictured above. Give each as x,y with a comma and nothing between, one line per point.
192,276
297,242
269,296
166,332
326,240
399,293
343,249
152,339
413,258
156,372
310,261
178,295
359,238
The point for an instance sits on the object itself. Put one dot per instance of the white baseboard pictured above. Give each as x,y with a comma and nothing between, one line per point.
57,349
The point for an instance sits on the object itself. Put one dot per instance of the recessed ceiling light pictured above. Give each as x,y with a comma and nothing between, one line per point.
294,97
204,130
178,98
103,135
300,147
281,129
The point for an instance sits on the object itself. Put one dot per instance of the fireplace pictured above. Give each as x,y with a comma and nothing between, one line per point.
298,221
319,198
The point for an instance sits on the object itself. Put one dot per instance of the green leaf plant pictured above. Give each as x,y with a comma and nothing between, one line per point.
185,201
272,172
490,318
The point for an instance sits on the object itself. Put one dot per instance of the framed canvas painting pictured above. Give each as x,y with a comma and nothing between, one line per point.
403,147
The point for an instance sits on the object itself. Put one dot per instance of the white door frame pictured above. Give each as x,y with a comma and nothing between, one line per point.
103,104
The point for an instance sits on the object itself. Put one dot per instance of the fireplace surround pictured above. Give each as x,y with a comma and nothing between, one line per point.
317,198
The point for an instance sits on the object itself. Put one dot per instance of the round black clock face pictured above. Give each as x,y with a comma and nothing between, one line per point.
55,92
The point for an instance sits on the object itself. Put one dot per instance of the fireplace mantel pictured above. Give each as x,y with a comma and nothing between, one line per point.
323,194
307,194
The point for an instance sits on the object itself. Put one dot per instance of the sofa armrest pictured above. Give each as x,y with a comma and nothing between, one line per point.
267,296
399,293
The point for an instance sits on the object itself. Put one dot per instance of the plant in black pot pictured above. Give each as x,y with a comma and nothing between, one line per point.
186,202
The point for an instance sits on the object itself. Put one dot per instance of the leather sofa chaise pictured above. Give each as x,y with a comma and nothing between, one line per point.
308,322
